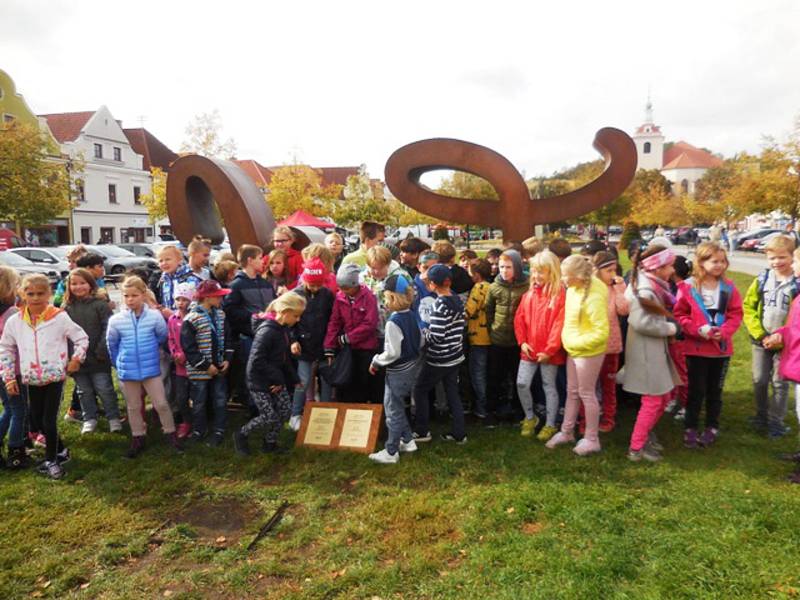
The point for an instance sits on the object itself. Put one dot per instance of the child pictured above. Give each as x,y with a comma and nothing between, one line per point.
504,295
276,273
478,333
12,421
335,243
225,272
445,352
36,339
766,306
270,374
199,251
323,254
400,353
709,311
380,266
585,339
461,281
606,269
649,369
467,259
135,335
309,334
410,250
354,321
423,297
72,257
173,272
87,309
493,256
184,294
206,342
677,349
537,325
283,238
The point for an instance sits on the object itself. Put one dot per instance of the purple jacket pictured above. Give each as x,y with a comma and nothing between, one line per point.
358,320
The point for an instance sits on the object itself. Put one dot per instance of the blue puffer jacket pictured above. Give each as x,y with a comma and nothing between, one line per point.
133,343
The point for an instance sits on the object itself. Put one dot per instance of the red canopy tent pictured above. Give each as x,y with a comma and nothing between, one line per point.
301,218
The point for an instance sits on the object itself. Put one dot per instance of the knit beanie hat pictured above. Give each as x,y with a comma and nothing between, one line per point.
314,271
185,290
347,276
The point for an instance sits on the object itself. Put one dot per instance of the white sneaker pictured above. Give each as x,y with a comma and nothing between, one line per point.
114,425
383,457
89,426
409,447
295,421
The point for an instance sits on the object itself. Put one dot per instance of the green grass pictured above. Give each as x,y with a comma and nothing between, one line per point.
498,518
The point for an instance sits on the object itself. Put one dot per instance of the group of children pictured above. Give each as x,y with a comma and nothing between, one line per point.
523,338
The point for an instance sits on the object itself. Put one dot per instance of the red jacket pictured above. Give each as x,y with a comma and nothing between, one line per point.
692,317
538,323
293,268
357,319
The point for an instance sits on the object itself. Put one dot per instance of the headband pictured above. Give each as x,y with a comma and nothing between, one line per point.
658,260
604,264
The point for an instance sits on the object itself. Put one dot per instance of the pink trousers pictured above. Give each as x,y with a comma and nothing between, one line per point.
582,376
650,412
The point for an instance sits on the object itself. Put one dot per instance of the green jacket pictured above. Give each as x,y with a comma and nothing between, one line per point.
753,306
501,306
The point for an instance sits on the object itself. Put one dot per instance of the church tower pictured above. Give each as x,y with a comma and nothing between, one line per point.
649,141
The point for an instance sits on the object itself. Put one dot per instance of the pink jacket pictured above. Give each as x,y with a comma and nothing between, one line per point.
358,320
174,342
790,357
617,307
692,317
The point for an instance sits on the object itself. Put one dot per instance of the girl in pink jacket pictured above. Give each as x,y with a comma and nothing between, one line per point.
709,310
184,294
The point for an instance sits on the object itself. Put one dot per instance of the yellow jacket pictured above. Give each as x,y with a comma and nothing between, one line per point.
585,331
475,309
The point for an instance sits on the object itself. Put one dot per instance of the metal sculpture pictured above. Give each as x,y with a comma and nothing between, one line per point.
515,212
195,183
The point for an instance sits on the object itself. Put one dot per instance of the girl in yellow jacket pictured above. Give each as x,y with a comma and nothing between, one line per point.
584,337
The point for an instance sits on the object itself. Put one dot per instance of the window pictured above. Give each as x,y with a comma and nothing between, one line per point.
647,147
98,150
137,191
106,235
86,235
81,190
685,186
118,154
112,193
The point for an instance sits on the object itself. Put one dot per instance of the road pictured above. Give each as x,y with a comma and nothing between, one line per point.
750,263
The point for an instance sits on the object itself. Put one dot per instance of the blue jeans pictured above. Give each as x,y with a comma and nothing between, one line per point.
429,376
12,421
399,386
307,372
200,389
99,384
478,366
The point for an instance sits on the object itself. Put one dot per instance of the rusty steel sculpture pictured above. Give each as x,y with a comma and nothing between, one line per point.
515,212
195,183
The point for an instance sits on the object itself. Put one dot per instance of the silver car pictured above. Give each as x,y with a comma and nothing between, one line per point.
117,260
51,258
25,267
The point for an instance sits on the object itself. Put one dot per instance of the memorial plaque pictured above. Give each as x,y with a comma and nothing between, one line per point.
319,426
356,428
336,425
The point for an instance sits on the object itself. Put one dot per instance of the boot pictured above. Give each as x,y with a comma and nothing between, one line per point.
240,443
137,446
172,440
17,458
272,448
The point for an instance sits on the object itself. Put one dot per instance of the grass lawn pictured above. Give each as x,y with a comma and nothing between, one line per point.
498,518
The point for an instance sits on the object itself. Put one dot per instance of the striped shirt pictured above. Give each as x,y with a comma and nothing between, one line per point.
445,336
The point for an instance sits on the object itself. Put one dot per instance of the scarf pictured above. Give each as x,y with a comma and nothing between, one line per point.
661,290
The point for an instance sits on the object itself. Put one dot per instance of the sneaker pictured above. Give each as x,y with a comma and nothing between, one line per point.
586,447
690,439
384,458
73,416
680,415
52,469
708,437
63,457
89,426
421,438
606,427
558,439
240,443
295,421
645,453
17,458
653,443
546,433
408,447
114,425
215,440
38,439
778,431
671,406
529,426
273,448
490,421
449,437
183,430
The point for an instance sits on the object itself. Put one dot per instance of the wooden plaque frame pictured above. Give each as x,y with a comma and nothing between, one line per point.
342,409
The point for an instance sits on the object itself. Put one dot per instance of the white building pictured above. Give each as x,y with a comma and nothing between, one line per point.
114,177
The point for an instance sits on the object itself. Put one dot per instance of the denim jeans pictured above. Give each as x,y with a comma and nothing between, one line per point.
180,398
399,385
12,421
429,376
307,371
478,372
200,389
99,384
766,366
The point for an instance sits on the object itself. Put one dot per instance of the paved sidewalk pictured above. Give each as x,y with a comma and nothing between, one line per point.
750,263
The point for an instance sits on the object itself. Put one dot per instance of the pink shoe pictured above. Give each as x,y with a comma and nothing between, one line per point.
183,430
39,440
586,447
558,439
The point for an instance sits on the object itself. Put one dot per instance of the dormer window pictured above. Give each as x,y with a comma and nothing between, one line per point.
647,130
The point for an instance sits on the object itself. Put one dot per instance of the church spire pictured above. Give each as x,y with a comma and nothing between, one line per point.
648,109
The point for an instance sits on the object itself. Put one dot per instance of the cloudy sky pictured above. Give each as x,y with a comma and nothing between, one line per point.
343,83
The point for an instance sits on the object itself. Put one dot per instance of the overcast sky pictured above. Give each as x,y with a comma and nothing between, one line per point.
342,83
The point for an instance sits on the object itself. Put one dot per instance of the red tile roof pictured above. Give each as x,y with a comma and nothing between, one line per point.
683,155
336,175
653,128
155,153
66,127
260,174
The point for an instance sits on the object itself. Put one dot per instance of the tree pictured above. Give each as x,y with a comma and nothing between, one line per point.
156,201
299,187
467,185
34,188
360,203
205,137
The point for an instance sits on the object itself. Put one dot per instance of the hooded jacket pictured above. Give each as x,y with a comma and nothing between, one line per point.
206,340
313,324
92,314
249,296
355,318
134,343
585,332
501,305
538,323
692,317
270,358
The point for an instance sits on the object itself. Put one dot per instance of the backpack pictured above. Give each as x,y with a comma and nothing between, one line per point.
762,282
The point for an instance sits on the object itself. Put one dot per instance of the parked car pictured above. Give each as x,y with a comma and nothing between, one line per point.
51,258
145,250
24,267
117,260
762,242
9,239
684,236
750,239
